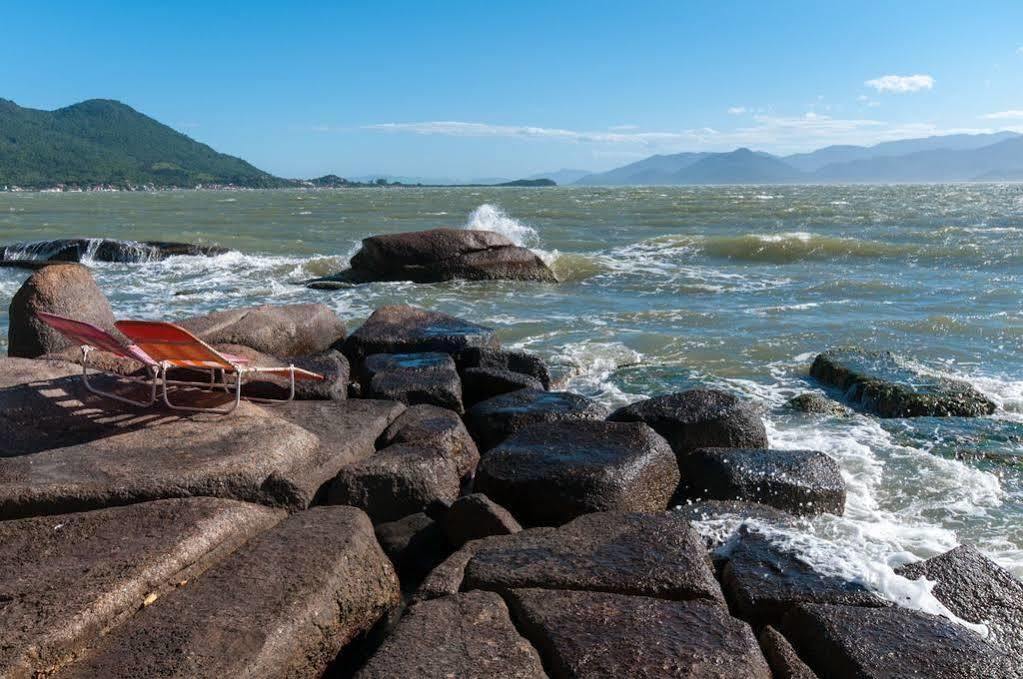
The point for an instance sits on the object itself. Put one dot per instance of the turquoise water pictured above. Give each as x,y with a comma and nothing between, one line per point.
663,289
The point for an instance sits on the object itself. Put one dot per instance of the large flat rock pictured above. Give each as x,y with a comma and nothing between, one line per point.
468,636
656,555
286,330
283,605
66,579
64,449
868,643
597,634
882,383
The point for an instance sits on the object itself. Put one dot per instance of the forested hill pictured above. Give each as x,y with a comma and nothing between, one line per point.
105,142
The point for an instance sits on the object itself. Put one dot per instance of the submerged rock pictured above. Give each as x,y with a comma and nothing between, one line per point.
495,419
872,643
590,634
698,418
880,383
441,255
978,590
279,330
817,404
62,289
103,250
548,474
797,481
407,329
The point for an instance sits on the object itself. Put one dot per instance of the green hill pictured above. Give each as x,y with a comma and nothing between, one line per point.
101,141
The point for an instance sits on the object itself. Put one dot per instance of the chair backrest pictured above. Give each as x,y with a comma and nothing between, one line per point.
166,342
87,334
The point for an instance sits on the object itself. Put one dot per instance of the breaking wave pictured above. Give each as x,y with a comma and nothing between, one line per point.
489,217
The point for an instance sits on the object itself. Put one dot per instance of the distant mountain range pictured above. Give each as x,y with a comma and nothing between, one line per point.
951,158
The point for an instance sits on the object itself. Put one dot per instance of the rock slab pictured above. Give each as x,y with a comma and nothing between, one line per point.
71,577
495,419
406,329
548,474
597,634
428,378
468,636
283,605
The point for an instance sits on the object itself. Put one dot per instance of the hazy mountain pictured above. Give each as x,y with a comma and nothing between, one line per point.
741,166
562,177
100,141
653,170
1002,159
811,162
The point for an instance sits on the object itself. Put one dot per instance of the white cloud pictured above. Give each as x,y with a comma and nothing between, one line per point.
901,84
1004,115
737,110
1019,50
619,128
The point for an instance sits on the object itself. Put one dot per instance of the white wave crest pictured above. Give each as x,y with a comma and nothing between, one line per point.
489,217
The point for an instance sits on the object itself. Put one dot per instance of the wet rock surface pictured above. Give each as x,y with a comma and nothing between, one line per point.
104,250
763,581
816,404
397,481
441,255
479,384
466,635
796,481
884,385
548,474
66,290
68,578
503,359
597,634
427,425
721,518
406,329
495,419
698,418
283,605
420,378
63,449
978,590
281,331
476,516
784,662
852,641
656,555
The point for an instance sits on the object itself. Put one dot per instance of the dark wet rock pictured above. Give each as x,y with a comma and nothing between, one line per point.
852,641
468,636
446,578
479,384
418,378
426,425
727,516
881,383
283,605
442,255
477,516
597,634
29,264
817,404
763,581
548,474
397,481
66,290
977,590
282,331
63,449
784,662
504,359
68,578
797,481
407,329
656,555
495,419
103,250
415,545
698,418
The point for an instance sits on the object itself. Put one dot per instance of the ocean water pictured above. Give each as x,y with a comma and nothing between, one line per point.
665,289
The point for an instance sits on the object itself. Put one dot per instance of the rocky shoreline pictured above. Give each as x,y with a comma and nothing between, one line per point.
435,509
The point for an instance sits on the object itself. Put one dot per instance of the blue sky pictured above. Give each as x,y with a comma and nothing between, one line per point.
470,89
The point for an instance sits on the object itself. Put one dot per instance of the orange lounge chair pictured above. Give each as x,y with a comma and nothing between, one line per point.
173,347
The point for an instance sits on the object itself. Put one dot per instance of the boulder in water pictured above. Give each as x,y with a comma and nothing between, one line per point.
881,383
62,289
442,255
103,250
816,404
282,331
